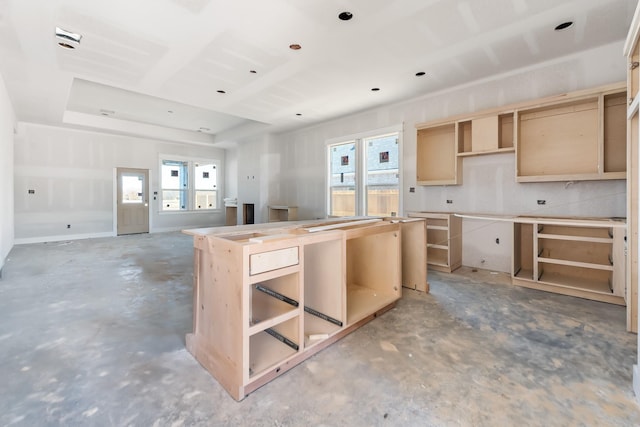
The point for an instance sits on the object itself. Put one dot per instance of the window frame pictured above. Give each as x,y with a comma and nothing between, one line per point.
190,191
361,167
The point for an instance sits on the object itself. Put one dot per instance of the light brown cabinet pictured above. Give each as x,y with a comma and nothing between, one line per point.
569,137
582,258
632,53
266,297
444,240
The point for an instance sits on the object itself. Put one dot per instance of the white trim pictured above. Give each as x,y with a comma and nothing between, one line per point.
58,238
636,381
632,35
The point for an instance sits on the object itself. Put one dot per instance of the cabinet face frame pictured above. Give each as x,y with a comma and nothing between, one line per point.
444,240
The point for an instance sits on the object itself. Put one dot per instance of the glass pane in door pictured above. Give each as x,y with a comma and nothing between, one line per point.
342,177
382,176
132,188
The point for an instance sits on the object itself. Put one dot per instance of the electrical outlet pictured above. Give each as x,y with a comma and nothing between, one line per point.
412,189
32,191
449,201
68,225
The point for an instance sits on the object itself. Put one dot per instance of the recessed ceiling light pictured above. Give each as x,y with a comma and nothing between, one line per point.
107,112
170,111
420,73
221,91
295,46
345,16
298,114
68,40
375,89
563,26
253,71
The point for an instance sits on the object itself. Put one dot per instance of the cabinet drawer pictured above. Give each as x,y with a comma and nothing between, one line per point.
272,260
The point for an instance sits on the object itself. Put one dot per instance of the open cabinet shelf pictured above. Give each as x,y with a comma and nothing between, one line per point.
572,257
444,240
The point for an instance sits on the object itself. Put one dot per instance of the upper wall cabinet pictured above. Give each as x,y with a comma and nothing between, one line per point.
437,163
569,137
577,139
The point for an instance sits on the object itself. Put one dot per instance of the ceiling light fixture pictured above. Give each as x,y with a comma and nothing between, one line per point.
420,73
67,39
375,89
221,91
563,26
345,16
253,71
170,111
298,114
295,46
107,112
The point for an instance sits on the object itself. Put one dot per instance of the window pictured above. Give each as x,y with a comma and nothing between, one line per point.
364,176
189,185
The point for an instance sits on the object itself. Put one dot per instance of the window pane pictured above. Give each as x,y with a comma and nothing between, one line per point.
205,177
174,175
342,179
174,200
382,176
206,199
131,189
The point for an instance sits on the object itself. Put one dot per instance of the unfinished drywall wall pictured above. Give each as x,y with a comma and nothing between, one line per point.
488,181
71,173
7,123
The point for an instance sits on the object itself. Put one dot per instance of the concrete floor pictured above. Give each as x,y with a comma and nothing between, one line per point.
92,333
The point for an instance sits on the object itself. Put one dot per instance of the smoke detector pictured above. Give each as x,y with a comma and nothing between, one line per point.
67,39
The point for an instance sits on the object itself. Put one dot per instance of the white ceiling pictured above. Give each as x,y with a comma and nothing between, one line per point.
140,59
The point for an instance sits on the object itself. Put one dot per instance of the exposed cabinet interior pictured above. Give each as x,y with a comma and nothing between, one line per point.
231,215
556,140
569,137
267,298
373,270
486,135
615,133
583,258
437,163
283,213
444,240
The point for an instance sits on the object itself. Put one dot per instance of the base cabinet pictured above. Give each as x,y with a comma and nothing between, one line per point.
267,299
444,240
582,258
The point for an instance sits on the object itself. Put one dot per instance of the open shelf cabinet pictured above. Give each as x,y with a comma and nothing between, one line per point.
444,240
266,297
582,258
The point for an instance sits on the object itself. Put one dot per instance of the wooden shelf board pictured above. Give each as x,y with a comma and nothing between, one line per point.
362,301
436,246
525,273
437,227
480,153
576,238
270,323
581,291
607,267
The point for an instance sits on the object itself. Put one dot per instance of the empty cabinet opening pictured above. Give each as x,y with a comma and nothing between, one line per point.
615,132
464,137
373,273
505,131
323,290
273,346
273,298
576,252
523,251
436,153
595,280
578,233
548,136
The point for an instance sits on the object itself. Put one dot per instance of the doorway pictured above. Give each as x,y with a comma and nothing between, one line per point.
132,201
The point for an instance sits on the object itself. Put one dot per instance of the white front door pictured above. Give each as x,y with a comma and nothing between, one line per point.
133,201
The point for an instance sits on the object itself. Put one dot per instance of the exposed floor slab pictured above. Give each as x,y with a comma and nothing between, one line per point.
92,333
